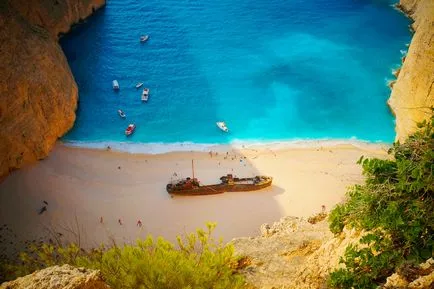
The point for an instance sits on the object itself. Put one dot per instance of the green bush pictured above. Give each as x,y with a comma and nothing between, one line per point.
395,202
198,261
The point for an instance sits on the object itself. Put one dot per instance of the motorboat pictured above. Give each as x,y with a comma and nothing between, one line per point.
145,94
115,84
222,125
121,113
138,85
130,129
144,38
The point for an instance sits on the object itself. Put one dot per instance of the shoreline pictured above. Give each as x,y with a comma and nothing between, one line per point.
178,147
88,184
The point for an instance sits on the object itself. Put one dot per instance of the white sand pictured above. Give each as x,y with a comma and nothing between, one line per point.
88,184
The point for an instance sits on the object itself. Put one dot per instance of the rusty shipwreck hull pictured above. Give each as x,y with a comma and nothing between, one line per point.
218,189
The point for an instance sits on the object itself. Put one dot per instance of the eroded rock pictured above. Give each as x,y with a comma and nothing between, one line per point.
56,277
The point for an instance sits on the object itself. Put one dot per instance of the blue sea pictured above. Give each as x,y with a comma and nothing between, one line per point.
273,70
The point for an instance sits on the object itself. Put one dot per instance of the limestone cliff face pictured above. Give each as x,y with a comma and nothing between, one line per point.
413,92
38,92
293,253
276,258
56,16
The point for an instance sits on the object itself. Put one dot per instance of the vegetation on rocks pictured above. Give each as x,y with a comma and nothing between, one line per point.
395,207
198,261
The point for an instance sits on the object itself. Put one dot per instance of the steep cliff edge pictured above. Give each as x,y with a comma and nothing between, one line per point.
38,91
413,92
56,16
295,254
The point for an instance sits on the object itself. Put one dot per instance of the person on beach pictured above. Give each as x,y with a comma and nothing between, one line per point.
120,222
42,210
101,220
139,223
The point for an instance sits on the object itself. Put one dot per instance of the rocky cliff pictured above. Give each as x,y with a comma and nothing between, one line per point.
38,91
413,93
296,254
65,277
275,259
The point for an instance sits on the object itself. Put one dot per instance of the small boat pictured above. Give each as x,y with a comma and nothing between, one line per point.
222,125
144,38
115,84
138,85
145,94
130,129
121,113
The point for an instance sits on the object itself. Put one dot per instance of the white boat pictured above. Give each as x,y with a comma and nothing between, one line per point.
115,84
139,84
121,113
222,125
130,129
145,94
144,38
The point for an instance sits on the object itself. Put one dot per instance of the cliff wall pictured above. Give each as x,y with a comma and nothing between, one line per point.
38,92
56,16
413,93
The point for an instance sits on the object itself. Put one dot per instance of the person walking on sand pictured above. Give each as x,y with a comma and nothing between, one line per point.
101,220
139,223
42,210
120,222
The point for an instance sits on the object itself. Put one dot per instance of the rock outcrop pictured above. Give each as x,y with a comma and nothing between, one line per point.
38,92
413,93
278,258
413,277
65,277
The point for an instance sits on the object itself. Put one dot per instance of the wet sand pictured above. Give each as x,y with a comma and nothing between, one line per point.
92,184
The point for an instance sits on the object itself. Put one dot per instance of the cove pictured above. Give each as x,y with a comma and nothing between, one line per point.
273,70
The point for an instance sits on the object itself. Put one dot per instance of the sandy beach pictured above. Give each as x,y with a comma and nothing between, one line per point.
100,187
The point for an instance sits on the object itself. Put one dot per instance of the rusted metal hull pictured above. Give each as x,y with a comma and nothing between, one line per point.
218,189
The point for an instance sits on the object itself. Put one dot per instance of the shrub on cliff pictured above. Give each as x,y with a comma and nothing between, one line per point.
396,205
198,261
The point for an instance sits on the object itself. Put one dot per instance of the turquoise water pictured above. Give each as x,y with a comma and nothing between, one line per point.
272,69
